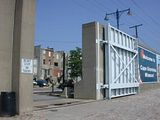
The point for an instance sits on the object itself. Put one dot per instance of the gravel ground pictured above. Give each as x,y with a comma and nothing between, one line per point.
145,106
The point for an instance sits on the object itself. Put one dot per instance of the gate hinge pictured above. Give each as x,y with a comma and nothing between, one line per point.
104,86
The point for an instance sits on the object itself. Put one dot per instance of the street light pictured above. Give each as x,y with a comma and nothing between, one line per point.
118,14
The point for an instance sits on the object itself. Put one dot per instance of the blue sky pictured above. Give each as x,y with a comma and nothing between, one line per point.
59,22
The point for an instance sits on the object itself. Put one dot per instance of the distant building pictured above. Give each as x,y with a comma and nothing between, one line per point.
47,62
58,64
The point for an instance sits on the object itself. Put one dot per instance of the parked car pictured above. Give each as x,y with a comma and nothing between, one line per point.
34,82
42,83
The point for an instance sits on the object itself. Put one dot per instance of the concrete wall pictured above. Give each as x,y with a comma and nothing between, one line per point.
149,86
92,63
17,42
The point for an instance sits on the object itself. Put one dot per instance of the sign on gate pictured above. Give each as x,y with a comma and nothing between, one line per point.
147,65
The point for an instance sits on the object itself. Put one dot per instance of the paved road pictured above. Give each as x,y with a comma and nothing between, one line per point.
145,106
44,96
37,89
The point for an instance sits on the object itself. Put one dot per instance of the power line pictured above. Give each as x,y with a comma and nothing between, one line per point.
84,7
123,4
117,4
148,26
146,44
154,21
98,6
102,5
150,30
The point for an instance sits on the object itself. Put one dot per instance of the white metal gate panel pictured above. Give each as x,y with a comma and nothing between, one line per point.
120,59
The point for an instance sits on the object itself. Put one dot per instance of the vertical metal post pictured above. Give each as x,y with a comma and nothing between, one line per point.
117,17
98,58
137,65
136,32
104,60
108,62
63,67
52,87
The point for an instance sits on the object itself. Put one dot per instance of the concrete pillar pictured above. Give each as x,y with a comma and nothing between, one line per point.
92,62
17,43
7,8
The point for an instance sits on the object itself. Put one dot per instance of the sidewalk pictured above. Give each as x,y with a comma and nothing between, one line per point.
58,103
41,106
53,100
145,106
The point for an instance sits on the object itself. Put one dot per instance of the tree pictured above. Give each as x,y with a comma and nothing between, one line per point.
75,63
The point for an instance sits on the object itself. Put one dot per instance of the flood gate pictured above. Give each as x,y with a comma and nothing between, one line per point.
109,64
120,63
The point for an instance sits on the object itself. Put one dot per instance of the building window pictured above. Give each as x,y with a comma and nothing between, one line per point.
56,64
49,53
49,62
57,56
48,72
44,52
44,61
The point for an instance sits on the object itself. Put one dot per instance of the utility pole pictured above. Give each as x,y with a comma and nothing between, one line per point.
118,14
136,29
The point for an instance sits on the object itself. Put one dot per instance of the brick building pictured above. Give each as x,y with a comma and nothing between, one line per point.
47,62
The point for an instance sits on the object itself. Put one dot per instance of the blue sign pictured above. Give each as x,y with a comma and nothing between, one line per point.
147,66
